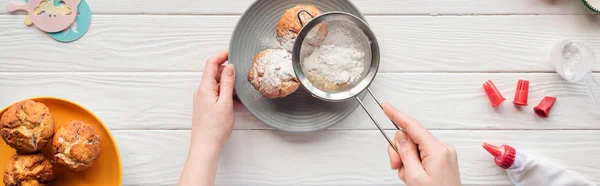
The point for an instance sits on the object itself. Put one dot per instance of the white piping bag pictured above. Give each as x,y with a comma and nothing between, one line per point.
525,170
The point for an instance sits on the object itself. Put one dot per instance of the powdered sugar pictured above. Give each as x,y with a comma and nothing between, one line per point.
337,64
287,41
340,60
573,60
572,57
314,37
276,67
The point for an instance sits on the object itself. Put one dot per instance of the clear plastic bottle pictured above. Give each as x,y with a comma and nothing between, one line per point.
525,170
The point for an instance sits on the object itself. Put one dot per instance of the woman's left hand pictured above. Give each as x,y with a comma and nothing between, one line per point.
212,119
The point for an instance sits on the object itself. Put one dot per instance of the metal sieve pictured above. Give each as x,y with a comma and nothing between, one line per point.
305,44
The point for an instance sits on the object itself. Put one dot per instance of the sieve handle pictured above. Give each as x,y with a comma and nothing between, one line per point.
378,103
300,20
376,124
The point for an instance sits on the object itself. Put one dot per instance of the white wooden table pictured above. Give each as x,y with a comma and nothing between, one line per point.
141,61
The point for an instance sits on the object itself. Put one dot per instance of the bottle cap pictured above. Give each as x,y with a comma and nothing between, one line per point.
521,93
492,93
504,156
543,109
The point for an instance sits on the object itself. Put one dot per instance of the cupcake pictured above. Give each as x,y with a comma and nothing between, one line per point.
76,146
28,170
289,26
27,126
272,74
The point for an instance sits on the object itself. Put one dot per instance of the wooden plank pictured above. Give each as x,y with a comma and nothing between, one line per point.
118,43
259,157
405,7
439,100
408,43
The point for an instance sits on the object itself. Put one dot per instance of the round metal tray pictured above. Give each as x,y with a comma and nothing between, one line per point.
299,112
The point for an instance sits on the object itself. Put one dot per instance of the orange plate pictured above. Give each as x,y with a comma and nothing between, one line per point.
106,171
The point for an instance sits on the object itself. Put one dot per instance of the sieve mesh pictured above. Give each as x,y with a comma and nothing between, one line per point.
335,55
338,65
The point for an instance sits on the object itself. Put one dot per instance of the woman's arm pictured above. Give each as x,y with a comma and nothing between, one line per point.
201,165
212,122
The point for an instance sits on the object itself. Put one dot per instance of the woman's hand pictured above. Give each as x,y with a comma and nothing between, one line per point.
421,159
212,121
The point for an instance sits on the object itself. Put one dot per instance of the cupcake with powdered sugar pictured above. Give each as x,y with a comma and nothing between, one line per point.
289,26
272,73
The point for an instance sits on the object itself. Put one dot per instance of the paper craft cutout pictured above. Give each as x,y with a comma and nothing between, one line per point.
56,4
46,16
28,20
79,27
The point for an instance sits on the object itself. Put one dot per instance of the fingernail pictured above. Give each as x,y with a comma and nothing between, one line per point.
400,137
397,144
229,70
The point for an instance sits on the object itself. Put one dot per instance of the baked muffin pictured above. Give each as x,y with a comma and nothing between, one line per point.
28,170
272,73
76,146
289,26
27,126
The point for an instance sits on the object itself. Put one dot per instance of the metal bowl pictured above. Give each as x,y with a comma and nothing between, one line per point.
363,38
299,112
368,74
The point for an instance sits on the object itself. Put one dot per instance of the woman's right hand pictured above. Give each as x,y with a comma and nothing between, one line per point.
421,159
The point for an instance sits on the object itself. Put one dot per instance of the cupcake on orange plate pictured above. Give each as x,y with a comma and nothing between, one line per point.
28,170
76,146
27,126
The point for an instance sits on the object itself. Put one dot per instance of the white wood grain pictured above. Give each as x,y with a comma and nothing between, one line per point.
440,101
264,157
406,7
117,43
140,63
138,43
